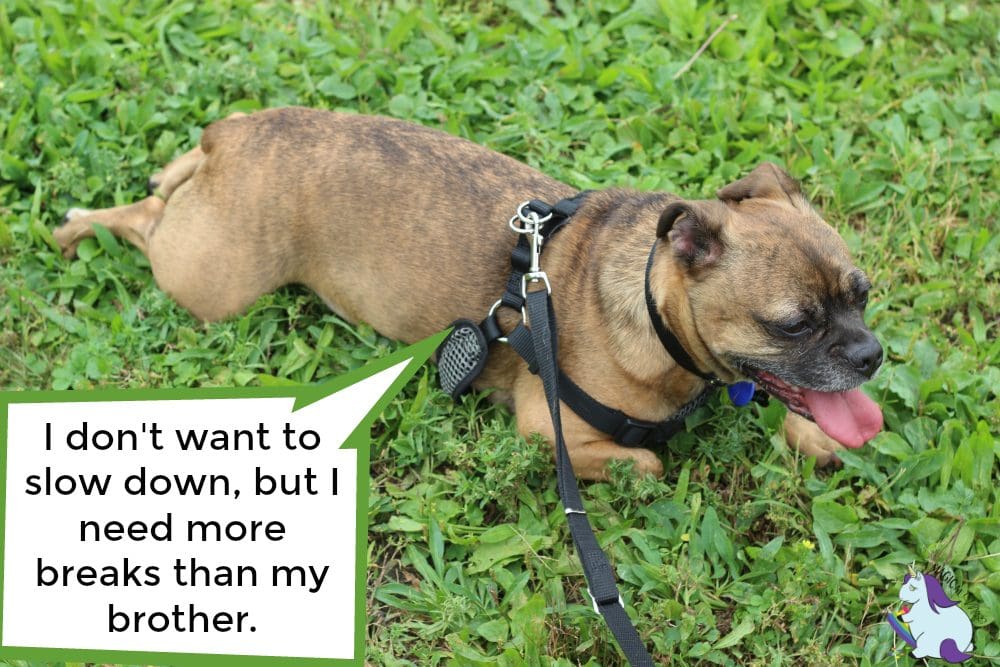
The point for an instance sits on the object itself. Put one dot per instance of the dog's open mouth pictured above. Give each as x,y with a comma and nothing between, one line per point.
849,417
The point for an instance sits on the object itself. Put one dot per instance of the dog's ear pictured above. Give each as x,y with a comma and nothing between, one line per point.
767,181
693,232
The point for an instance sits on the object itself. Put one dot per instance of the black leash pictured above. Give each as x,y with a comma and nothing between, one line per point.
601,582
462,356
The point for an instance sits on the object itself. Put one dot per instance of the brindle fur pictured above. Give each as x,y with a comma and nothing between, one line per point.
404,227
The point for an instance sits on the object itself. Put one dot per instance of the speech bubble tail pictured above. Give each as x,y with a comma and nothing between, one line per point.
418,354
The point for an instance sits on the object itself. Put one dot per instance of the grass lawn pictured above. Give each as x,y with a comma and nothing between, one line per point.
889,112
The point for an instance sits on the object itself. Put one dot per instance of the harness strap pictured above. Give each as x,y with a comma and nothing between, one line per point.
600,576
622,428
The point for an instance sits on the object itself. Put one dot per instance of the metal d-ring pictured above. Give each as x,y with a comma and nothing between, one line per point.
493,310
530,221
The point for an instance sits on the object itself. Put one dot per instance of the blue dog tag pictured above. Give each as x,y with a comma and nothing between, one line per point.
740,393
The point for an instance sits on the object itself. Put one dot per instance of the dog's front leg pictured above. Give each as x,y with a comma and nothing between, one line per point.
590,451
591,459
807,437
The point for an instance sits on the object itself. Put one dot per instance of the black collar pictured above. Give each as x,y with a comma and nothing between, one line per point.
667,338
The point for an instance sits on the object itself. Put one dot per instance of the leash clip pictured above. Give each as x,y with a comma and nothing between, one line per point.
527,221
534,277
531,224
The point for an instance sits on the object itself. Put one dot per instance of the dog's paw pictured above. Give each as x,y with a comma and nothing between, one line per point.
75,213
73,230
807,437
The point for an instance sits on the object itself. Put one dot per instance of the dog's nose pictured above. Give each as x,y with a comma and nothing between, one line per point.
865,355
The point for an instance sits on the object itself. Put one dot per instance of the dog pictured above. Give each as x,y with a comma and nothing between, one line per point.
404,227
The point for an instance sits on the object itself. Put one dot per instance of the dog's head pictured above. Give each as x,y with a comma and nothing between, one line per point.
775,296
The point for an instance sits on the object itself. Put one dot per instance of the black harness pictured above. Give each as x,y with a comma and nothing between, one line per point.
459,370
462,356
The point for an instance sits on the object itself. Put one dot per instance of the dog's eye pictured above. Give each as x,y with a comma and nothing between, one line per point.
863,299
795,328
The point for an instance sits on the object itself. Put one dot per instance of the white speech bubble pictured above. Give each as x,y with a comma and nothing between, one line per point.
245,606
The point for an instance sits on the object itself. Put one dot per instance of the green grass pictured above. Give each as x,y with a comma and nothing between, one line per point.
744,554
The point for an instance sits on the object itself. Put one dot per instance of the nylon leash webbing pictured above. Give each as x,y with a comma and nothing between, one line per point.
597,569
462,355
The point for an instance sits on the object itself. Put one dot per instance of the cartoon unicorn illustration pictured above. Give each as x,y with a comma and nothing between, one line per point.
930,622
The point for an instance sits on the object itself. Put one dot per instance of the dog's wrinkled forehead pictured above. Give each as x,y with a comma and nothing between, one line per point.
769,203
779,238
764,233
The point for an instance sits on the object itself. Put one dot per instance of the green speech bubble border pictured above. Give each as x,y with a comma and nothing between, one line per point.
359,439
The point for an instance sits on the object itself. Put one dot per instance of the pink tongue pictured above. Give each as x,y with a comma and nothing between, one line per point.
849,417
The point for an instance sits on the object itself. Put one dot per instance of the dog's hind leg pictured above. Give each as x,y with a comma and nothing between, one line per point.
132,222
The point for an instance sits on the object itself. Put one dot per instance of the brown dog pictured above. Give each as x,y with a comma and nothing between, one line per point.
404,227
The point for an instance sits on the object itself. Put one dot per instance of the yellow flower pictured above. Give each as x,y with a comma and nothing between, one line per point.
808,544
